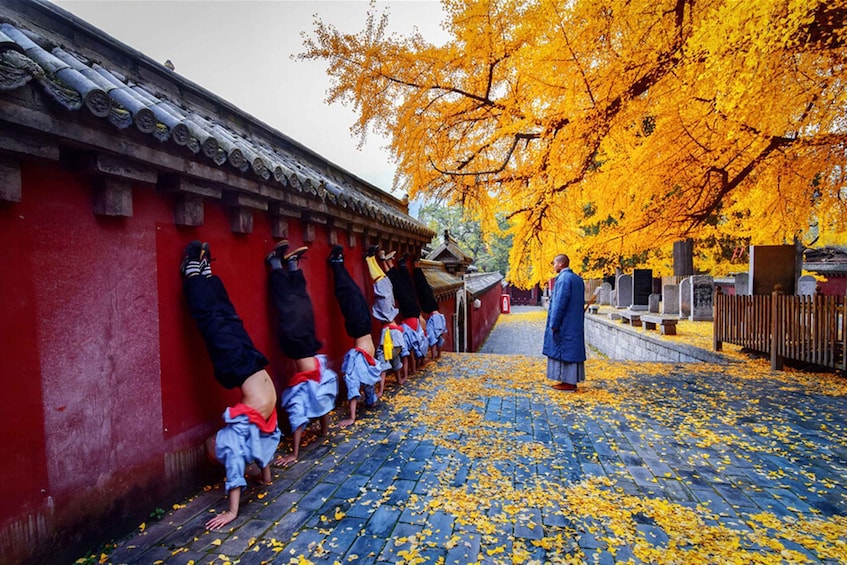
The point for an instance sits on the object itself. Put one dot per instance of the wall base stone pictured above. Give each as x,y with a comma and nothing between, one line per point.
624,343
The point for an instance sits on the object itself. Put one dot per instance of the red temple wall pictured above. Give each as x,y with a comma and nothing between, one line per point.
110,390
482,319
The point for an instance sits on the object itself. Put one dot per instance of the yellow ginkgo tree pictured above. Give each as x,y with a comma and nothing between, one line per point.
609,129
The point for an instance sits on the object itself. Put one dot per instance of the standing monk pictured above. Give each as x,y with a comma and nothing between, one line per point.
564,337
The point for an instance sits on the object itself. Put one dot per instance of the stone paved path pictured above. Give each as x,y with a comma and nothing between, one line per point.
477,460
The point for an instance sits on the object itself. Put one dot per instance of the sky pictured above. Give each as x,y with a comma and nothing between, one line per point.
242,52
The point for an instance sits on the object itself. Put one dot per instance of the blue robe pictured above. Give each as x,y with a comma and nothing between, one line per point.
358,373
566,314
436,327
241,442
311,399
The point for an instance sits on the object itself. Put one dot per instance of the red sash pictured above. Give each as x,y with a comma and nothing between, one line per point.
266,426
371,361
303,376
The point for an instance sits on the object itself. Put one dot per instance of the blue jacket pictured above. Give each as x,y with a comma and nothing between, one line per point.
566,315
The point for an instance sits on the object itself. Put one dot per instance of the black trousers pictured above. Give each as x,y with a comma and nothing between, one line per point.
296,325
354,306
426,298
404,293
231,350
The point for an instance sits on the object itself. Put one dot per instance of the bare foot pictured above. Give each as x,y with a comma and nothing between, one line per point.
284,460
347,422
220,520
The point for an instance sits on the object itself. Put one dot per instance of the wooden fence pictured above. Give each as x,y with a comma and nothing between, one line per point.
809,329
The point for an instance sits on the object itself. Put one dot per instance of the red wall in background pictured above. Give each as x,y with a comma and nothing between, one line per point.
448,309
109,389
482,320
834,286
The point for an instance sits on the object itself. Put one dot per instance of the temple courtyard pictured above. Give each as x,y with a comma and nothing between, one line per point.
477,460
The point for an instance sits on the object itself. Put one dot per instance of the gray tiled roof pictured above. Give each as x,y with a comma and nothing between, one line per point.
449,252
478,283
443,283
171,114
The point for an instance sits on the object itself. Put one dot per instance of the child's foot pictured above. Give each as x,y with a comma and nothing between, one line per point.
206,261
337,254
192,259
372,251
276,256
295,255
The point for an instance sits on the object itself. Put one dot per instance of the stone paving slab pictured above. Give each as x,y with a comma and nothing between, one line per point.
477,460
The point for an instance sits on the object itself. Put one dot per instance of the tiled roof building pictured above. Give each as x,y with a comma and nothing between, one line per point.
70,88
109,164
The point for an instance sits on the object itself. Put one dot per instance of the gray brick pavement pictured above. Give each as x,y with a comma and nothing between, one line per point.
646,458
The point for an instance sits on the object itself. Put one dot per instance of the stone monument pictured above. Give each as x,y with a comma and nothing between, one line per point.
742,284
683,258
670,299
806,285
702,298
642,288
623,285
685,297
771,265
653,303
604,297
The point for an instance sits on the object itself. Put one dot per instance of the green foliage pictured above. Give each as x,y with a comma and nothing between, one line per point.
489,251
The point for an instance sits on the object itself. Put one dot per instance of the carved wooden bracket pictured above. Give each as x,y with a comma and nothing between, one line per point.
351,236
99,163
239,200
188,210
308,232
112,197
241,220
333,231
279,227
10,180
176,183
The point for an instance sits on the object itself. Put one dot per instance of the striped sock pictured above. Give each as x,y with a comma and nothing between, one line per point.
191,269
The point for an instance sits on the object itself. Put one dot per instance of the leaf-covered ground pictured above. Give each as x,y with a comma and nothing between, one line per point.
649,462
478,460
